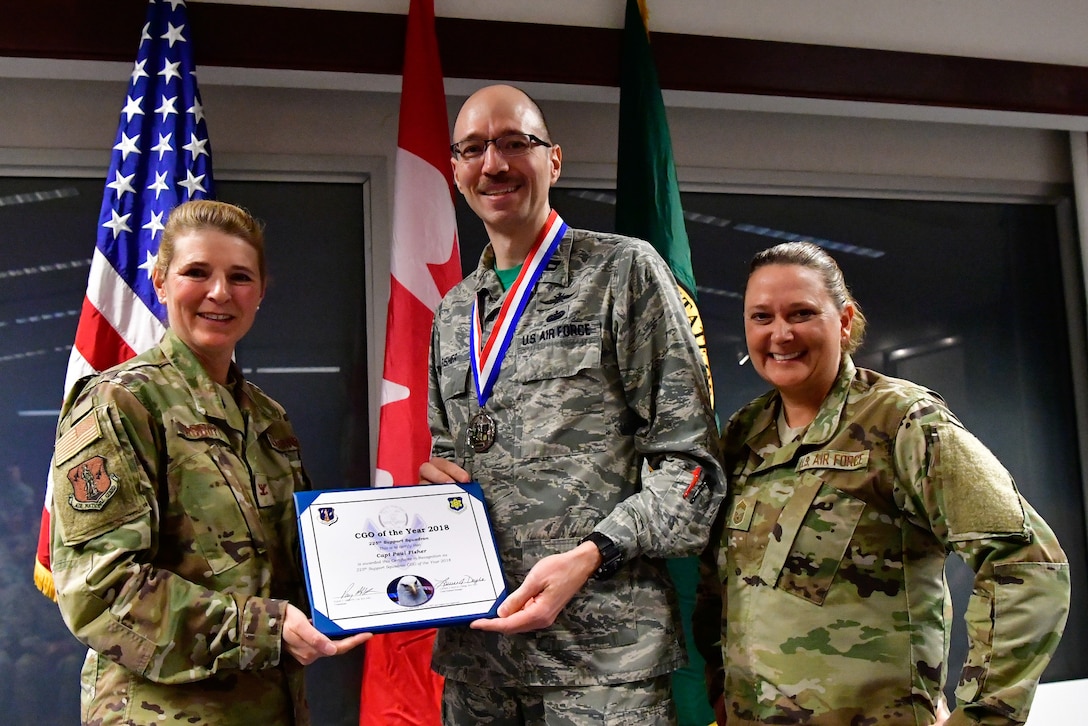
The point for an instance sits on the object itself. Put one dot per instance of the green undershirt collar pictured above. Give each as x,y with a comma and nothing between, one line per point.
507,277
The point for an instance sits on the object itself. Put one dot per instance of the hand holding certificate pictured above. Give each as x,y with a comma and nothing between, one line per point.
398,558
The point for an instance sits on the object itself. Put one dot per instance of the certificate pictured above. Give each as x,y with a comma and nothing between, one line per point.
398,558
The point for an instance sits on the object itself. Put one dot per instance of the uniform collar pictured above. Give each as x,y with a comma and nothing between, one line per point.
827,419
207,395
763,433
557,273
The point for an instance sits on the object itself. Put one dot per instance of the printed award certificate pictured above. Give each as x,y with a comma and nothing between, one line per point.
399,558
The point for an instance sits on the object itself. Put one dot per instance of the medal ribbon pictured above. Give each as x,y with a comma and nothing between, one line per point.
486,362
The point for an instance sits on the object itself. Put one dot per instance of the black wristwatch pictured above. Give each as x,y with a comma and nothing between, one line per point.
611,555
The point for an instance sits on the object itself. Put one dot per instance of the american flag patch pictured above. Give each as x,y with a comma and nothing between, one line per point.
86,431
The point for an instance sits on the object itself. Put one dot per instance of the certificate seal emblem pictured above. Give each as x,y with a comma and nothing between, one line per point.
393,517
481,432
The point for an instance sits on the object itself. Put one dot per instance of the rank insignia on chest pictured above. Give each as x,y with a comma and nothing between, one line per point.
92,485
738,511
266,495
741,515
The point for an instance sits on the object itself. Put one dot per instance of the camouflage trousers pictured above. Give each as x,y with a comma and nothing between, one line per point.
640,703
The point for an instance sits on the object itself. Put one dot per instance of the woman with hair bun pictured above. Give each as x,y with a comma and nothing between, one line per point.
823,599
174,542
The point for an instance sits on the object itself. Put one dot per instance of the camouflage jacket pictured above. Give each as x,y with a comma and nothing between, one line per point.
827,589
175,544
602,376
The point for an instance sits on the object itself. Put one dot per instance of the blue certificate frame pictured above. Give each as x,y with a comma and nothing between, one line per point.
399,558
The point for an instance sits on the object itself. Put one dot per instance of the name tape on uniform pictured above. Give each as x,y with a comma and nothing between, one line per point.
845,460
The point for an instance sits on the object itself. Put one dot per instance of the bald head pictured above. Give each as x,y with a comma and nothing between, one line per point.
500,103
508,190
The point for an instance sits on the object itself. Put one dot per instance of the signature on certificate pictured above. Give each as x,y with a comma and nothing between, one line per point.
355,593
464,581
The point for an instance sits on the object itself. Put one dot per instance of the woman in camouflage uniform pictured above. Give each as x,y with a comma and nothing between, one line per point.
824,580
174,537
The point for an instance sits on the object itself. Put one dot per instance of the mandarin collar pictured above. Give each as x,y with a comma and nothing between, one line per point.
206,394
763,437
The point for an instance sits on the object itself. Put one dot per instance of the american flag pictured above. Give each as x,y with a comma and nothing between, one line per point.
161,156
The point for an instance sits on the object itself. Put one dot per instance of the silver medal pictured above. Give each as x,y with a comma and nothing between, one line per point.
481,432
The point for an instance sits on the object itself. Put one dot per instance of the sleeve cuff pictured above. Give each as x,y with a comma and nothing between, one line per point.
262,633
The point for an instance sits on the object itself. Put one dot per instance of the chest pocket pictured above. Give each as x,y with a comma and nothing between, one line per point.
817,526
561,395
204,479
455,380
455,385
277,466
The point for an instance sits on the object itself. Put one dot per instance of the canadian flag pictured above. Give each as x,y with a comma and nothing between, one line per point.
398,684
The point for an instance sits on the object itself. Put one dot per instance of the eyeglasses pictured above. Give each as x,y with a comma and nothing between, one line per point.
508,145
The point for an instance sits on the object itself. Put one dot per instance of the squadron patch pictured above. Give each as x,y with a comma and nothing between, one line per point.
92,485
456,503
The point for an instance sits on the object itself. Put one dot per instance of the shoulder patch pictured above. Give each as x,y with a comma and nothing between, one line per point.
980,496
85,432
92,485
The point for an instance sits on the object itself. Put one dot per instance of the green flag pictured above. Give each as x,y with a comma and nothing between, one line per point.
647,195
648,207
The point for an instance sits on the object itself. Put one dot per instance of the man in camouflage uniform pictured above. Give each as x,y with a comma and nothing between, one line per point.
824,581
601,377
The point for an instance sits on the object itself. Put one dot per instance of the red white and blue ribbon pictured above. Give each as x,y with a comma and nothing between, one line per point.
487,361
